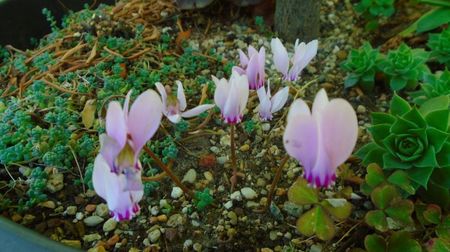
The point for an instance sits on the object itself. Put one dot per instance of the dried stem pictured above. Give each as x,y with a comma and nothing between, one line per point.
233,158
169,172
276,180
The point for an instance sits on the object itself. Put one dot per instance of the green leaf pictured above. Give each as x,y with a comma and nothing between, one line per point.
432,214
434,19
399,106
391,162
442,157
438,119
415,117
351,80
401,210
428,159
435,104
401,241
382,118
374,243
316,221
340,210
383,195
377,220
379,132
420,175
398,83
437,138
301,193
401,179
374,175
438,245
443,229
370,153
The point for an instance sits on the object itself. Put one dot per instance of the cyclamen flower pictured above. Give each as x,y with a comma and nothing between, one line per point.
303,54
268,104
321,140
117,170
174,106
231,96
252,66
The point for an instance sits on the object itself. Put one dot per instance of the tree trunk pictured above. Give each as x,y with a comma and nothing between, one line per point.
297,19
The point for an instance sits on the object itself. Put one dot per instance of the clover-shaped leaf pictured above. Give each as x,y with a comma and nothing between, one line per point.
374,243
383,195
377,219
401,210
301,193
316,221
443,229
401,241
432,214
338,208
374,175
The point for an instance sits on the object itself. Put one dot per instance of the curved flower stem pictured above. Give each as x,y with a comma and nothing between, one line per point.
169,172
275,180
233,158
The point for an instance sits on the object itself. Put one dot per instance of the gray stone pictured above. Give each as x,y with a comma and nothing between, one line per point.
248,193
102,210
71,210
154,235
176,193
176,220
190,176
92,237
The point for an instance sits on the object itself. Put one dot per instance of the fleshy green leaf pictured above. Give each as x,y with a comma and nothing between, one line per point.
379,132
437,138
435,104
301,193
399,106
391,162
433,19
398,83
438,119
383,195
382,118
377,219
420,175
374,243
316,221
443,229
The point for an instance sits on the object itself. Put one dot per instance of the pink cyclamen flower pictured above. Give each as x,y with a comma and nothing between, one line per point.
173,107
231,96
303,54
321,140
117,170
268,104
252,66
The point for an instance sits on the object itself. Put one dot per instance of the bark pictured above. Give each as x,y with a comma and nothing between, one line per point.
297,19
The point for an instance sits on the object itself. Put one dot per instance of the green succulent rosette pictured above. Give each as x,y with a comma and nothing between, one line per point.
439,43
404,67
411,139
361,67
434,85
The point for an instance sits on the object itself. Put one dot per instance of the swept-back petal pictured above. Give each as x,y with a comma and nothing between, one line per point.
304,53
162,92
243,92
231,109
144,118
320,102
298,108
253,72
301,139
264,104
180,96
243,58
100,176
262,65
251,51
109,148
115,123
238,69
197,110
280,56
221,93
339,130
279,99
